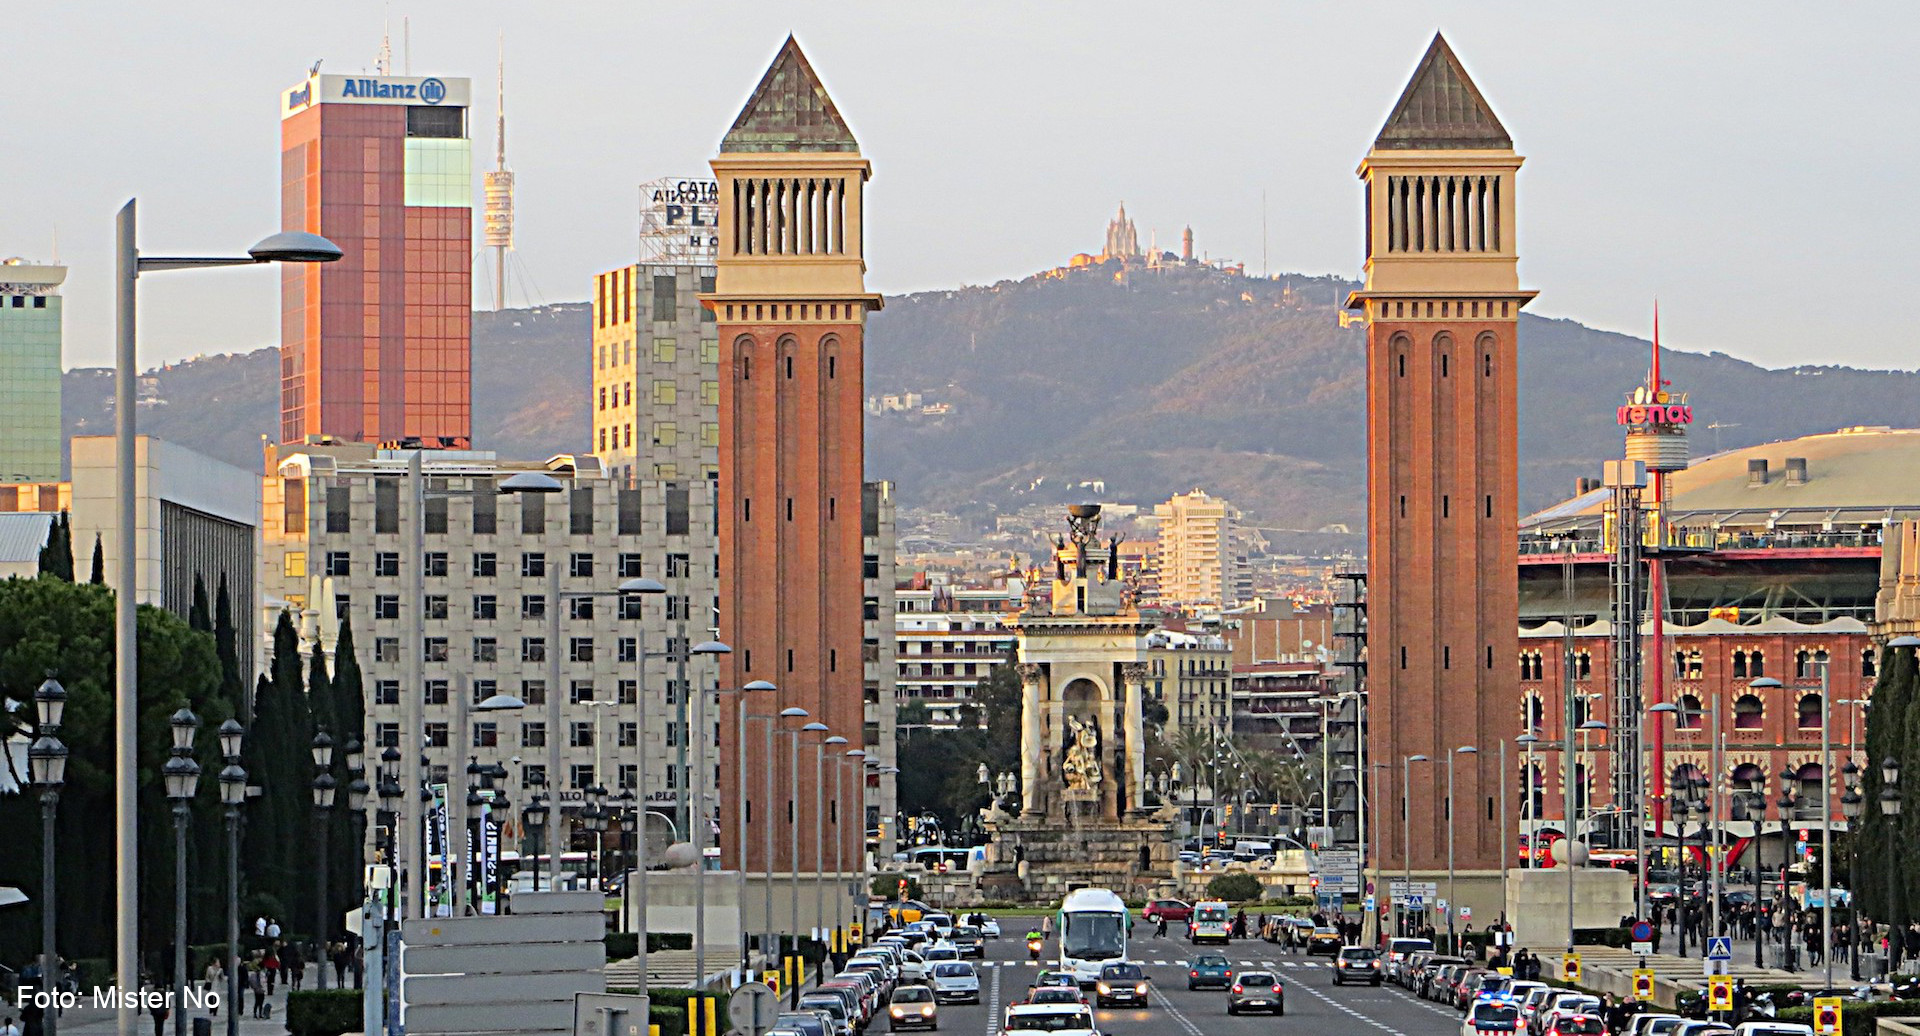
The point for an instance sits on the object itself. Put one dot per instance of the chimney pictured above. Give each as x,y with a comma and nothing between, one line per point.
1796,471
1757,472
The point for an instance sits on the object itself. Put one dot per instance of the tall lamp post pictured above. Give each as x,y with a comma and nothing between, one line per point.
535,816
770,825
233,795
47,768
1453,905
699,820
793,826
820,832
1756,796
1406,837
740,799
181,775
1852,807
1789,801
357,791
286,247
857,758
1890,809
1528,813
323,789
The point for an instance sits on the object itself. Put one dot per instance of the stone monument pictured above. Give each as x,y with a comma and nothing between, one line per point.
1087,815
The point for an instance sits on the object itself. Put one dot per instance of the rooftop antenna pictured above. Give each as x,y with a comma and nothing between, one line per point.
406,46
383,63
1263,232
498,185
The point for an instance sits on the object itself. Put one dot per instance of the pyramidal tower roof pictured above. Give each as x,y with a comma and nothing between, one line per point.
789,111
1441,110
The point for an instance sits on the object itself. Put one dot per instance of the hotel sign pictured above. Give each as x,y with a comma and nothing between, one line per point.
679,220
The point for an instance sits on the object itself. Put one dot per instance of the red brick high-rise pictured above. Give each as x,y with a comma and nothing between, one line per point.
790,302
1442,298
376,347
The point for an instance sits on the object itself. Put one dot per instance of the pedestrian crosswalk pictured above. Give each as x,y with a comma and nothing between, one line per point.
1268,965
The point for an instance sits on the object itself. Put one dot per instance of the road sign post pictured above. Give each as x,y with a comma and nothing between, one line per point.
1720,993
752,1008
1643,985
1570,967
1827,1016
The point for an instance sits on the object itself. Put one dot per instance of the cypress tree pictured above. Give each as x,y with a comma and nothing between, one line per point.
349,714
99,574
1880,839
56,557
227,645
280,762
200,616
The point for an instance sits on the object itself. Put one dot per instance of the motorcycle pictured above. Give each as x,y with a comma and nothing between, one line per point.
1033,949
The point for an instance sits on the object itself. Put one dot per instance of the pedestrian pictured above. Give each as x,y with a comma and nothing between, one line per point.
216,985
257,981
1160,924
157,1008
271,965
294,964
342,958
260,927
8,1028
273,928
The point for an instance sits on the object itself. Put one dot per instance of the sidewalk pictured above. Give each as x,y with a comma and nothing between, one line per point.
92,1021
1610,969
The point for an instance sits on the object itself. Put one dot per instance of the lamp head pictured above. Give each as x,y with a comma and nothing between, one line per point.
357,790
322,750
1890,772
355,754
294,246
1416,758
323,788
233,785
793,712
51,701
1765,682
501,703
530,482
760,685
813,728
184,723
1467,750
711,647
835,740
642,585
1904,641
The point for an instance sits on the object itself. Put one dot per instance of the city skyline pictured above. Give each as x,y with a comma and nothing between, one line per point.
1706,103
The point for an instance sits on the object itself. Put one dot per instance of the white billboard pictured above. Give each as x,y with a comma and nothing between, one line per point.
679,221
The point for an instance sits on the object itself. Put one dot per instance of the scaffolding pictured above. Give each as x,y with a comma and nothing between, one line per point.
1625,482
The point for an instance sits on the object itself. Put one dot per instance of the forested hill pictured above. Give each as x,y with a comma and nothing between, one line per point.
1155,384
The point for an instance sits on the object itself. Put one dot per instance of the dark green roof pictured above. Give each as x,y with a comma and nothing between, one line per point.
1441,110
789,111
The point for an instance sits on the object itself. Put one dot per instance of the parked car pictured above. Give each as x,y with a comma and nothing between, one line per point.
1772,1029
1209,969
955,982
1257,991
912,1007
835,1008
1121,982
1356,964
1577,1025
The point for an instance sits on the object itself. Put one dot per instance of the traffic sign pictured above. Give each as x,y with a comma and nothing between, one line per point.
853,933
753,1008
1466,913
1642,984
1642,949
1416,903
1720,947
1642,931
1440,905
1570,967
1425,889
1827,1016
771,979
1370,904
1720,993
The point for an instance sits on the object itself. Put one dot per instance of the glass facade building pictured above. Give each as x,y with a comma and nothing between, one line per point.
377,347
30,428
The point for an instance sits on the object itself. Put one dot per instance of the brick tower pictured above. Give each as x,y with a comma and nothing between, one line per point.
1441,300
790,302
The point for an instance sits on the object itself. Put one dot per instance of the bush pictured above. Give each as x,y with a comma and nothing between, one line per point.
887,886
657,941
323,1012
621,945
1235,888
1618,938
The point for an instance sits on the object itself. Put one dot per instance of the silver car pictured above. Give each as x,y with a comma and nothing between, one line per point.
955,982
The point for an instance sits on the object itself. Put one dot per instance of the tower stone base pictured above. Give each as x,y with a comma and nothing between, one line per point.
1040,859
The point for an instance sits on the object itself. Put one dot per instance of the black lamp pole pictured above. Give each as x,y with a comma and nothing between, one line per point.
1890,809
1852,805
181,776
323,788
233,795
1788,780
47,768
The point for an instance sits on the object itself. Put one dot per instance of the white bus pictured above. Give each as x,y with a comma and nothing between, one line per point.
1093,933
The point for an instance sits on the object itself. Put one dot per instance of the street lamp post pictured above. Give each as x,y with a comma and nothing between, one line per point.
1406,836
1528,812
181,775
699,819
1756,793
1789,801
287,246
233,795
770,825
1890,809
793,825
1580,802
740,799
857,757
47,768
323,789
638,590
820,832
1852,807
536,820
1453,904
357,791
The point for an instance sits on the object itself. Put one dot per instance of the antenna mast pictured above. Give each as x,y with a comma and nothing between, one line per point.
499,193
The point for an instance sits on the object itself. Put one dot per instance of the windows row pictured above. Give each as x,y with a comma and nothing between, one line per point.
386,650
485,501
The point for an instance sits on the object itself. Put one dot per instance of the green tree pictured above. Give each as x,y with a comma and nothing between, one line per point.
56,557
200,614
51,625
279,760
1881,837
350,714
226,642
98,576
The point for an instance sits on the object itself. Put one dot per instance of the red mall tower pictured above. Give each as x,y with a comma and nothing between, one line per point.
1442,298
376,347
790,301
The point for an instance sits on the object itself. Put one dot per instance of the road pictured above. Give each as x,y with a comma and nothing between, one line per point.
1314,1004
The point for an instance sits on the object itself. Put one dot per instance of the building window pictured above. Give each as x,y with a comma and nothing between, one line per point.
580,735
665,297
1803,664
627,649
1756,664
486,607
533,514
1809,714
339,510
580,776
629,735
436,606
339,563
533,606
580,511
580,608
533,734
484,689
437,735
386,506
386,692
630,566
386,606
1740,664
533,692
580,649
1748,711
486,565
533,649
677,519
629,776
580,565
386,564
533,565
486,649
1866,663
485,518
665,393
486,734
580,691
436,692
666,433
386,735
630,606
436,564
386,649
1691,716
628,691
664,350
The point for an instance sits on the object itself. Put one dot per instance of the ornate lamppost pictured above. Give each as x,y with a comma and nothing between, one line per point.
233,795
1852,806
47,768
181,776
323,789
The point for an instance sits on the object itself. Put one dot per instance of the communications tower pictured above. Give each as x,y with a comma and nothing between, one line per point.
499,193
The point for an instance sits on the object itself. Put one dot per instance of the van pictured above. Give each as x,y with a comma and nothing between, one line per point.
1248,849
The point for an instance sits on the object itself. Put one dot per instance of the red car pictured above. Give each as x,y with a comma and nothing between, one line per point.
1172,909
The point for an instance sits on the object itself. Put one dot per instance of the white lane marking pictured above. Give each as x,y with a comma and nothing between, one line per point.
993,1005
1344,1009
1186,1023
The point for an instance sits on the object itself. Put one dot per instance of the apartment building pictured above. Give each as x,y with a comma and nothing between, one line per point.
948,640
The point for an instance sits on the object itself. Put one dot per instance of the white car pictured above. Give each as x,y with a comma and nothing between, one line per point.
1052,1019
989,928
1654,1024
1773,1029
1490,1016
955,982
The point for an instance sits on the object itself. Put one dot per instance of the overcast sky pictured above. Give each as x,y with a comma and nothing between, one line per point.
1748,163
